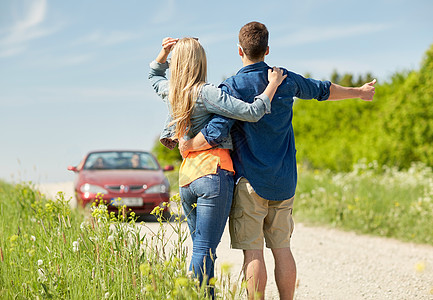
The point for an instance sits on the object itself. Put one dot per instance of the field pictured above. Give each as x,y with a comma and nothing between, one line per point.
48,250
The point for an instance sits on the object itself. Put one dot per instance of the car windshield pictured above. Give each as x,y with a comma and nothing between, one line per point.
120,160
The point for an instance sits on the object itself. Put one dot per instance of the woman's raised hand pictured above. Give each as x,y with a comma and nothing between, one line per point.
275,78
275,75
167,45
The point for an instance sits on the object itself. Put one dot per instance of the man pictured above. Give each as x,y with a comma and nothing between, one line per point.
264,159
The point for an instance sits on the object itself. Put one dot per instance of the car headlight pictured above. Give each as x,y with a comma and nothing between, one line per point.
93,189
157,189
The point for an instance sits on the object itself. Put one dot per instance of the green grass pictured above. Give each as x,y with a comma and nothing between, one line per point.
48,251
371,199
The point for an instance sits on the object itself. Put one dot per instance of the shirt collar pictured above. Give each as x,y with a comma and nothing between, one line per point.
253,67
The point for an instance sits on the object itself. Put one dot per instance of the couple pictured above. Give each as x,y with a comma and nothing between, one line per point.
225,136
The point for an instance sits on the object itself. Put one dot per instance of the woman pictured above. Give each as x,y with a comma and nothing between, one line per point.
205,177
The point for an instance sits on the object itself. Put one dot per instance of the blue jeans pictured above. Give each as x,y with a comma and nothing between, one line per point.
213,195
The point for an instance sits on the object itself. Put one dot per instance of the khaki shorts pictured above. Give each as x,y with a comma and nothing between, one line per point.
253,219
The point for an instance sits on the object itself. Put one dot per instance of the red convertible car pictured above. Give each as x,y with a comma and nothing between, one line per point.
131,178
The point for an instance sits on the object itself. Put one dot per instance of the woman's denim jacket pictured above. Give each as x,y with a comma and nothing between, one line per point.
211,100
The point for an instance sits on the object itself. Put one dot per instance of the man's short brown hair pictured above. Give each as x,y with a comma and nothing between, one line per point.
253,38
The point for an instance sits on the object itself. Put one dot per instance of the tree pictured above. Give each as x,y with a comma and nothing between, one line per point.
335,77
408,121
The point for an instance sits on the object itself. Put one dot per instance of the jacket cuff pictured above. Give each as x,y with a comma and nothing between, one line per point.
267,102
168,142
159,66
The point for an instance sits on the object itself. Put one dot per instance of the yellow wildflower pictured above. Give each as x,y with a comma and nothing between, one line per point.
181,281
225,268
420,266
13,238
145,269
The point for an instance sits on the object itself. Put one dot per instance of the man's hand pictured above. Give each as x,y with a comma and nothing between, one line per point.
367,91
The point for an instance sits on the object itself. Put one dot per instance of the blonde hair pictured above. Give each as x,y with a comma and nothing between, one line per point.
188,70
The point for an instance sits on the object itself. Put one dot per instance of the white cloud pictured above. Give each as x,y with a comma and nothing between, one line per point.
313,35
72,60
167,11
34,16
80,94
210,39
322,69
11,51
104,92
104,39
25,27
22,37
49,61
95,94
117,37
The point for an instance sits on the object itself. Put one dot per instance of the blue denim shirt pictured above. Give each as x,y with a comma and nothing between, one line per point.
211,100
264,152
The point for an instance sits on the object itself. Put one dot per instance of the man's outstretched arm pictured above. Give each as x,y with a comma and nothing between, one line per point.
365,92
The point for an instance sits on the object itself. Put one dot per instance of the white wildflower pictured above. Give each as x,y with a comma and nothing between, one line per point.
107,295
40,262
83,225
33,238
42,276
75,246
110,239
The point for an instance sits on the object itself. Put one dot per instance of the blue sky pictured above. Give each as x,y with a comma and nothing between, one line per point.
73,74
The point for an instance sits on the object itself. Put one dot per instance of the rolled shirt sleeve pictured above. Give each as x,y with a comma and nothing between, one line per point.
309,88
217,130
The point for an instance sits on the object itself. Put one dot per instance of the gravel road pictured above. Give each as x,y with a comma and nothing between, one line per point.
334,264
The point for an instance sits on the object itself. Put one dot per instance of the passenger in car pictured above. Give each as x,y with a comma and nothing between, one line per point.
99,163
135,161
